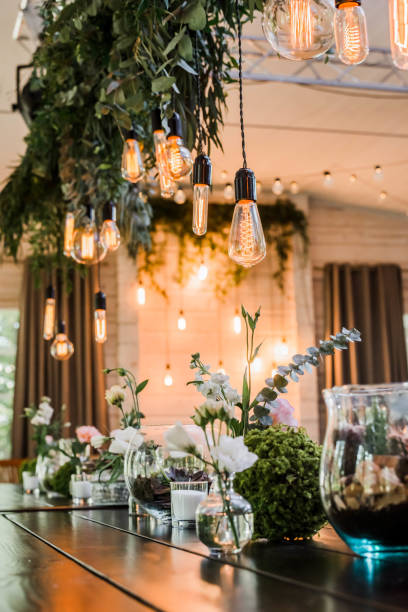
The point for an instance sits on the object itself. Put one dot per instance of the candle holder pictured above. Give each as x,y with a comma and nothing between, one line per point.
30,483
81,489
185,498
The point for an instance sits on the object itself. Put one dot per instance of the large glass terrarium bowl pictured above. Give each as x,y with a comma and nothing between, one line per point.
364,469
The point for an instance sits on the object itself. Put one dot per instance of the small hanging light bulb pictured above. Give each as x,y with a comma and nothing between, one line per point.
87,248
141,294
49,313
281,350
168,379
220,367
132,163
378,173
237,322
202,272
100,317
257,365
61,348
229,192
179,157
181,322
327,179
398,19
69,233
259,187
383,195
110,235
167,186
180,196
353,178
294,187
224,175
277,187
246,244
350,29
202,181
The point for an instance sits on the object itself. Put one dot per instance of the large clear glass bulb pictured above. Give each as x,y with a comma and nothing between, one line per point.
87,248
179,158
61,348
100,325
132,163
246,240
69,233
167,186
350,29
200,209
299,29
110,235
398,16
49,316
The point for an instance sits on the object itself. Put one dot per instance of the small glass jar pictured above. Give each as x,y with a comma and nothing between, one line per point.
185,498
81,489
224,519
30,483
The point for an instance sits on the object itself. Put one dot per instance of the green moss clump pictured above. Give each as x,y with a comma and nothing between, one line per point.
283,485
60,480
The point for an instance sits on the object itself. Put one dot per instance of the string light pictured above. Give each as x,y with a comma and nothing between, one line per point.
220,367
110,235
257,365
202,272
87,248
327,179
237,322
352,178
294,187
69,233
132,163
383,195
277,187
141,295
179,157
100,318
180,196
167,186
281,350
49,313
202,181
181,321
378,173
229,192
398,19
61,348
168,379
224,175
350,30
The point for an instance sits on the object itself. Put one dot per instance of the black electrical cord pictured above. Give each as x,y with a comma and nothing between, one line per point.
199,98
241,105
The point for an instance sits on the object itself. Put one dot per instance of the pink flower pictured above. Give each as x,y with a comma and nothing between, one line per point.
86,432
282,412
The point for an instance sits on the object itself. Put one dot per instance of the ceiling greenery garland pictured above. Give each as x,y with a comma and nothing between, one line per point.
103,66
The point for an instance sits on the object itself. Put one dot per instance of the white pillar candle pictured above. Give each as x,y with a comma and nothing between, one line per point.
81,489
184,503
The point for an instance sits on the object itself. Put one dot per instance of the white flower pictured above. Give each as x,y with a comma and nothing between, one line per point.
115,395
232,395
98,441
44,414
45,399
233,455
219,378
123,438
49,439
178,438
39,420
210,389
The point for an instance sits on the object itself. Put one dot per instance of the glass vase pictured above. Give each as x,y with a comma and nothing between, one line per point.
224,519
364,468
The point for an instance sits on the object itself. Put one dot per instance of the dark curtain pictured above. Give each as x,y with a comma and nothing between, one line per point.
79,382
370,299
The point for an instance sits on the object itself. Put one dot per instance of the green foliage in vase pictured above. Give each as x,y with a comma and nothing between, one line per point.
59,482
27,465
283,485
376,431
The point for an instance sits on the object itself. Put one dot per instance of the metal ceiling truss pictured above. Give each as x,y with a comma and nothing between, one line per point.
377,73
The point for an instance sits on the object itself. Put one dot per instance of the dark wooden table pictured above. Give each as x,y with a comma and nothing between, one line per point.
102,559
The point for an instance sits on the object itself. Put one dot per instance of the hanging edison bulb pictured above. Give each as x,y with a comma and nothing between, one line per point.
398,17
281,350
61,348
87,248
100,317
181,322
179,157
350,29
110,235
180,196
327,178
237,322
294,187
168,379
229,192
141,294
49,313
277,187
202,271
167,186
132,163
202,181
246,240
298,29
69,233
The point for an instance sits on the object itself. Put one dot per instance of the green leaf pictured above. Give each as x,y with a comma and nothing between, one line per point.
174,41
186,67
185,48
162,83
141,386
245,391
194,15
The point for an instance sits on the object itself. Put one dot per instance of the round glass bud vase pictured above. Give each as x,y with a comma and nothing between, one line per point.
364,468
224,519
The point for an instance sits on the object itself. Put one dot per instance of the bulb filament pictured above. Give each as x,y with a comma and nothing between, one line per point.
100,326
175,159
49,319
301,24
69,234
87,245
246,233
400,18
352,38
